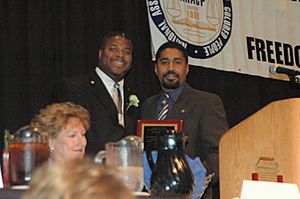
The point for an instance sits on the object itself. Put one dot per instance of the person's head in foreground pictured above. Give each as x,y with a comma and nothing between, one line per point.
76,179
66,124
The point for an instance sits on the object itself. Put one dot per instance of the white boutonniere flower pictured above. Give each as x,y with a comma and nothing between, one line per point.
133,101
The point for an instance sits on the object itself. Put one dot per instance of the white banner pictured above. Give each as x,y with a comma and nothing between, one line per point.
244,36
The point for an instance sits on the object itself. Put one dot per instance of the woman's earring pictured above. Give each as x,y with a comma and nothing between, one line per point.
51,150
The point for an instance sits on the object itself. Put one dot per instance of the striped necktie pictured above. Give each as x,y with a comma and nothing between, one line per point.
164,107
118,102
117,97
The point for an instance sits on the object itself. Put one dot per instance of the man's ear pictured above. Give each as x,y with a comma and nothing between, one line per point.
155,69
100,53
187,69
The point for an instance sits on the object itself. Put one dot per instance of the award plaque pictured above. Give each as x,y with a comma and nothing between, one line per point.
150,131
267,169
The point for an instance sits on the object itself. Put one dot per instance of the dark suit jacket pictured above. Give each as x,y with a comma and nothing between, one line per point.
204,121
90,92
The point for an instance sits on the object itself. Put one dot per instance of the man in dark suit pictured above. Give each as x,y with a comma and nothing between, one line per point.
203,114
97,91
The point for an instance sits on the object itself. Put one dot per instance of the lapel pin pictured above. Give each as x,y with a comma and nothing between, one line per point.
183,110
92,82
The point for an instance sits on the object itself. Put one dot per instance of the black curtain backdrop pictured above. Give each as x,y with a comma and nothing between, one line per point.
43,41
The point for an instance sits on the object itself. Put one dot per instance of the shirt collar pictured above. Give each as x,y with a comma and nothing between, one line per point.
107,81
174,94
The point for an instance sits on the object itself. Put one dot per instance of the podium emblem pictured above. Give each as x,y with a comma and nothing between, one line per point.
267,169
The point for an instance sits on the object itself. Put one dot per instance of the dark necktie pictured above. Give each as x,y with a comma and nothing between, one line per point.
162,114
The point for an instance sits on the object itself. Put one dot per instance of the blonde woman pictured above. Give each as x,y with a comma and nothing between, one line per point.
76,179
66,124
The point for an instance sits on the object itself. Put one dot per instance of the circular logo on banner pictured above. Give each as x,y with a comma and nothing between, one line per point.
203,27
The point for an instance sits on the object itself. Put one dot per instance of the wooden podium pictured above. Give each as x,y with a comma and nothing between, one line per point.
273,131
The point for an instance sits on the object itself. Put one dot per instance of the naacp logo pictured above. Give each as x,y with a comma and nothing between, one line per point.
203,27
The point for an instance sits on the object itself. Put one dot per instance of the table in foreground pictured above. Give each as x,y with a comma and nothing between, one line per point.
11,193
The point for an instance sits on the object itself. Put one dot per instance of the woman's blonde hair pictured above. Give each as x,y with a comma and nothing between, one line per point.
55,117
76,179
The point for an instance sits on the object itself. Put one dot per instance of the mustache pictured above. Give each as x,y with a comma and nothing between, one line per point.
170,72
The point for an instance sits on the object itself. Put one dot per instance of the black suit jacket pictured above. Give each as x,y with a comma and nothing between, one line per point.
90,92
204,122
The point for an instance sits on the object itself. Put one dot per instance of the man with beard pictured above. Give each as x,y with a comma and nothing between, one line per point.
203,114
103,93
